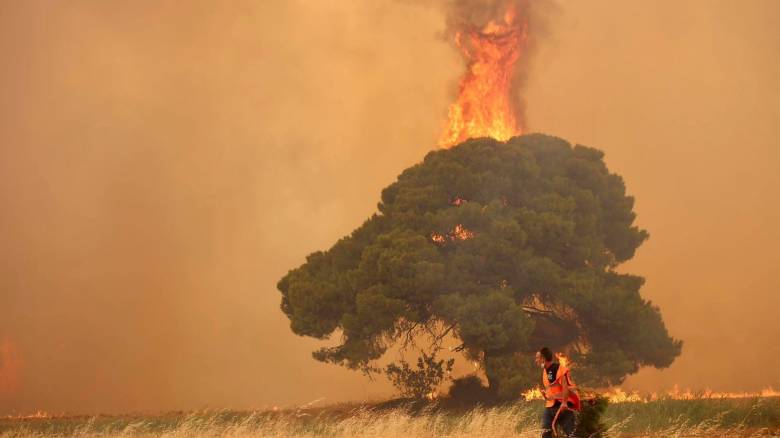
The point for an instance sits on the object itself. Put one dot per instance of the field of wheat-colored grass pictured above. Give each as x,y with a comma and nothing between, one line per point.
759,417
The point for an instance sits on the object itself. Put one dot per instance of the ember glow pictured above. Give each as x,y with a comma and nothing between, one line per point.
486,105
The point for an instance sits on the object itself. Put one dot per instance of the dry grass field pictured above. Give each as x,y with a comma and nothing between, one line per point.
703,417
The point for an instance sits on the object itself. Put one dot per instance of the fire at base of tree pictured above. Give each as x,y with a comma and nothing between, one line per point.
503,246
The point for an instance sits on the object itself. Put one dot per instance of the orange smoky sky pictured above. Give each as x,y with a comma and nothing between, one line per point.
163,164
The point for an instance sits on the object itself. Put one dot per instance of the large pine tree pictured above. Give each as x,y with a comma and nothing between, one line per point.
506,246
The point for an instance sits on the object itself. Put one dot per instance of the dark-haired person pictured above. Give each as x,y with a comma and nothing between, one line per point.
558,386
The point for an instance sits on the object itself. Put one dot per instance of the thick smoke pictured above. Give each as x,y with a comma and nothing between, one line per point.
162,166
464,14
10,367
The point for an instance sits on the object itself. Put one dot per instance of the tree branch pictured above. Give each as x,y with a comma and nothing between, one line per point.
531,309
436,344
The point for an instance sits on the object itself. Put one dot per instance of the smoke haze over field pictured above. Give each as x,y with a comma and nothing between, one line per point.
161,167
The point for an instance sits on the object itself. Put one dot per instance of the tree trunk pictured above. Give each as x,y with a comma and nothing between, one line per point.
493,378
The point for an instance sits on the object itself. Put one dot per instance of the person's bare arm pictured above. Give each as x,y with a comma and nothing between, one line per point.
565,392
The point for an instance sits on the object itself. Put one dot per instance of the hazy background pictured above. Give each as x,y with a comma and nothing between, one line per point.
163,164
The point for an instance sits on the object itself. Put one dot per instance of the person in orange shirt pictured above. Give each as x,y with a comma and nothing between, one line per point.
558,387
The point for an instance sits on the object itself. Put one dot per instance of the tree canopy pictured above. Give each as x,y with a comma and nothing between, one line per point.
505,246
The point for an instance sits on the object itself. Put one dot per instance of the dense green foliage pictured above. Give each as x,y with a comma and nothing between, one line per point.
468,391
506,246
421,381
590,422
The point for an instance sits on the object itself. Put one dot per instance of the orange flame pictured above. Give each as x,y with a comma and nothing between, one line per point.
34,416
563,360
618,395
485,106
533,394
458,233
10,368
461,233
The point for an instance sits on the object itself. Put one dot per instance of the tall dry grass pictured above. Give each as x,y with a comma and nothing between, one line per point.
520,420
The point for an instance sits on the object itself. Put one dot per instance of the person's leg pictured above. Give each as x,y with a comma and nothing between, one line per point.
547,418
567,422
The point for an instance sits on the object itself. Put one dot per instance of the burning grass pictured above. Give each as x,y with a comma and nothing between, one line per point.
748,417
